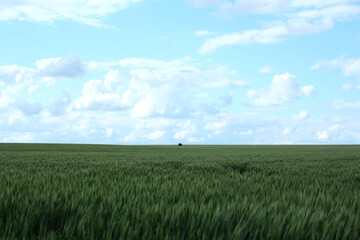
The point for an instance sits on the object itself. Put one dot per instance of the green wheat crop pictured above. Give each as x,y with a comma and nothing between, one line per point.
50,191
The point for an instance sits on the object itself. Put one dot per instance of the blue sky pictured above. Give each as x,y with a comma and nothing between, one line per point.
190,71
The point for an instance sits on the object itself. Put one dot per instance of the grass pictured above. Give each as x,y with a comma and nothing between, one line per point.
51,191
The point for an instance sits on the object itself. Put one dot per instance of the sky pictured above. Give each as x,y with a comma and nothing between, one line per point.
189,71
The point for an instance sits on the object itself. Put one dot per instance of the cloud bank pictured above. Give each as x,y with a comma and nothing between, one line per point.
90,12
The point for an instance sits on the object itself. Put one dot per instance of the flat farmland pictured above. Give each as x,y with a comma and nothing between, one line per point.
64,191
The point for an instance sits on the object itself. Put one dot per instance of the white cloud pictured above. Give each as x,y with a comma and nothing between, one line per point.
349,87
89,12
268,6
59,106
19,138
109,132
296,21
274,34
333,132
70,66
255,6
346,87
169,92
29,107
163,105
322,135
152,105
266,69
180,135
339,11
47,72
342,104
147,87
204,3
300,116
270,35
203,95
283,90
10,93
315,67
216,127
307,90
348,66
202,33
226,99
97,98
115,80
33,88
155,135
139,63
334,127
248,132
186,132
15,74
286,131
275,6
117,127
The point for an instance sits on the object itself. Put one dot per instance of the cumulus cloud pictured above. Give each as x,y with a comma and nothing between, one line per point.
146,87
15,79
15,74
47,71
140,101
307,90
97,98
168,88
115,80
29,107
58,106
283,89
300,116
333,132
152,104
70,67
90,12
232,128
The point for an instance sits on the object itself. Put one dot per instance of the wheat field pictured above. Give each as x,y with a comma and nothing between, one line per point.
55,191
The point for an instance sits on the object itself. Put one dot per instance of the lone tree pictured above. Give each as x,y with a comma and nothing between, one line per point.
180,144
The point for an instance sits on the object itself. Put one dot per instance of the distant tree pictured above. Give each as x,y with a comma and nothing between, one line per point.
180,144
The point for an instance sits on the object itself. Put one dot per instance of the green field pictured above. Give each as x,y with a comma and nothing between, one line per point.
50,191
